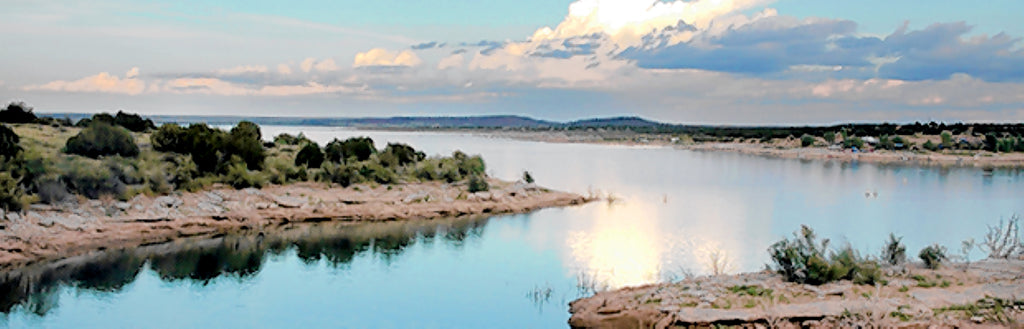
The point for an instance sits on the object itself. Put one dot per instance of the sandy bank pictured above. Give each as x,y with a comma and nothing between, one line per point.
978,159
46,233
989,293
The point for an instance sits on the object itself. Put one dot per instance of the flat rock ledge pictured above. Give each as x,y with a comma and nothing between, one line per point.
51,232
988,294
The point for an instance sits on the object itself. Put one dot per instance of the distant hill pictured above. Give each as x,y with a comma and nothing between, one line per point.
490,121
617,122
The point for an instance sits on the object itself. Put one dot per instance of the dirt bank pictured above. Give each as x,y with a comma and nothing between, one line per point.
978,159
46,233
989,293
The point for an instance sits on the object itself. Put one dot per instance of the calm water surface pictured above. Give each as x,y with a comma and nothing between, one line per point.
676,211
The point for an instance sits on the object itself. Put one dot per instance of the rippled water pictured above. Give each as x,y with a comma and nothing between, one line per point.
677,212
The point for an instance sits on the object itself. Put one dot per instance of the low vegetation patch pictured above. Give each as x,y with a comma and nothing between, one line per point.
102,139
123,155
805,259
933,256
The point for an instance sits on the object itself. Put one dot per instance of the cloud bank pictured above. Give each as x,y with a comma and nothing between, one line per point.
710,61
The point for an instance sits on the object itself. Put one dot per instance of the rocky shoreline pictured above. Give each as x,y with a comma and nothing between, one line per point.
44,233
988,293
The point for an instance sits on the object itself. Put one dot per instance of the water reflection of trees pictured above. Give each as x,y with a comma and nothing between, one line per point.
36,289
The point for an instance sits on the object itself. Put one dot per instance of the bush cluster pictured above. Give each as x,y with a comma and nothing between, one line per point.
17,112
352,149
105,161
102,139
212,149
131,121
805,260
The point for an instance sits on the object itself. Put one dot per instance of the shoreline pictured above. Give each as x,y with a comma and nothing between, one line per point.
984,293
45,233
789,150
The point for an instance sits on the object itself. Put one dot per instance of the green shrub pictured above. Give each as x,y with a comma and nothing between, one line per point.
101,139
803,260
204,145
359,148
469,166
477,183
170,137
245,141
527,177
928,145
933,256
183,172
288,139
806,140
239,176
17,112
133,122
894,252
52,191
9,143
10,193
91,179
281,171
947,139
340,174
376,172
399,155
853,142
310,156
830,137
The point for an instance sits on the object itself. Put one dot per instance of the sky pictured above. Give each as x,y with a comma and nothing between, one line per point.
734,62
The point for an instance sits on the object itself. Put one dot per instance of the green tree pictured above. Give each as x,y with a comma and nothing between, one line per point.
947,139
133,122
310,156
806,140
360,148
401,154
101,139
245,141
830,137
203,144
928,145
9,143
477,183
990,142
17,112
170,137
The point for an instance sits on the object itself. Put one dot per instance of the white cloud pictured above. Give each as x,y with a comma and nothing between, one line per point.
244,69
627,21
307,64
101,83
284,69
451,62
384,57
213,86
326,65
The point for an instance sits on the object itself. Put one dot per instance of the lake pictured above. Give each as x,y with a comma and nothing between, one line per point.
675,213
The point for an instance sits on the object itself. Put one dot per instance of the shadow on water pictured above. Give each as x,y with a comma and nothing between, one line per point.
35,289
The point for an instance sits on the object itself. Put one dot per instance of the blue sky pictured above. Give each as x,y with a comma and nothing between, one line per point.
699,61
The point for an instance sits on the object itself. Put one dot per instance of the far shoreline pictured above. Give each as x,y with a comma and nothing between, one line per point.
978,159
